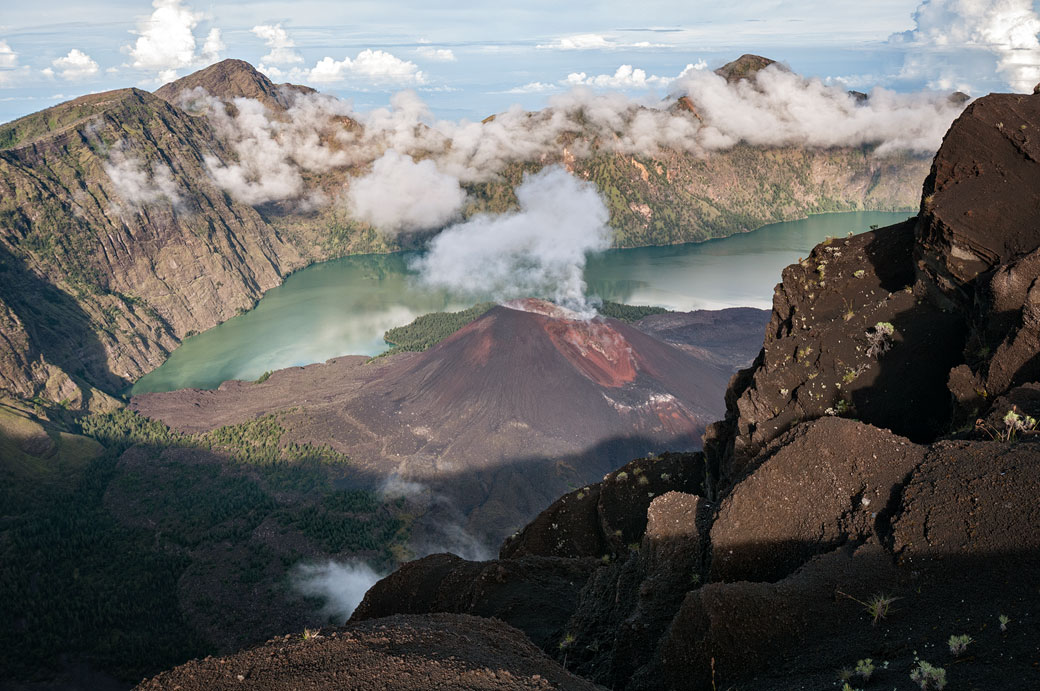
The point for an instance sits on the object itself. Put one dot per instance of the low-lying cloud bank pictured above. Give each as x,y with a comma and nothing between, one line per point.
139,184
341,585
402,146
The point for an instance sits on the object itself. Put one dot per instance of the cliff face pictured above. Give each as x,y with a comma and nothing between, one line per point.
678,197
841,516
116,244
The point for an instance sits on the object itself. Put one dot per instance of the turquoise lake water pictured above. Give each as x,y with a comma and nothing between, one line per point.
344,306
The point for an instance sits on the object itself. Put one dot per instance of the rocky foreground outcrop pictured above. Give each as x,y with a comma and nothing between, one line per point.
402,652
848,523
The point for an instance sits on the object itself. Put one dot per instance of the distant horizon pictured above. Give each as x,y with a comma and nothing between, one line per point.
470,61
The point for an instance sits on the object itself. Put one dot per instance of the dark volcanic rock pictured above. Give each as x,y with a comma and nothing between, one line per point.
535,594
728,633
821,485
1003,349
817,357
607,517
981,200
626,606
410,653
975,501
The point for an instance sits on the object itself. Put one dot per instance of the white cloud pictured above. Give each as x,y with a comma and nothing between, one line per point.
136,184
625,77
436,54
277,39
533,88
75,65
782,108
10,72
376,66
8,58
595,42
400,194
956,43
213,46
341,585
166,40
272,153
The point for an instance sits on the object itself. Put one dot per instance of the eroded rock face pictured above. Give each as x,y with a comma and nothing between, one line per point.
450,651
627,605
980,202
973,501
605,518
728,633
822,485
231,79
109,279
535,594
824,352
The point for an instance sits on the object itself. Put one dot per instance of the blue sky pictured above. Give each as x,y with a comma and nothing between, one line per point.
470,59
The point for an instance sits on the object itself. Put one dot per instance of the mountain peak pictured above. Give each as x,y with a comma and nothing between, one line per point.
230,79
745,67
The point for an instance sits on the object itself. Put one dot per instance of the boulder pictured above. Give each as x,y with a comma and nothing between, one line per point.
979,203
535,594
823,484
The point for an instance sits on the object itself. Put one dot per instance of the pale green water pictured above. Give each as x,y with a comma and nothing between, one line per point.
344,306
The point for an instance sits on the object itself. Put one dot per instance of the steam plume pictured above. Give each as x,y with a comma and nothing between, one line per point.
540,249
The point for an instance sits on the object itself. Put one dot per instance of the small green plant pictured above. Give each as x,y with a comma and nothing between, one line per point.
928,676
959,644
859,273
864,668
845,675
567,641
848,687
1015,422
1004,621
879,339
621,477
309,635
878,607
841,408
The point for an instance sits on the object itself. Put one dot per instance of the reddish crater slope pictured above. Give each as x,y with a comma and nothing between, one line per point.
520,406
